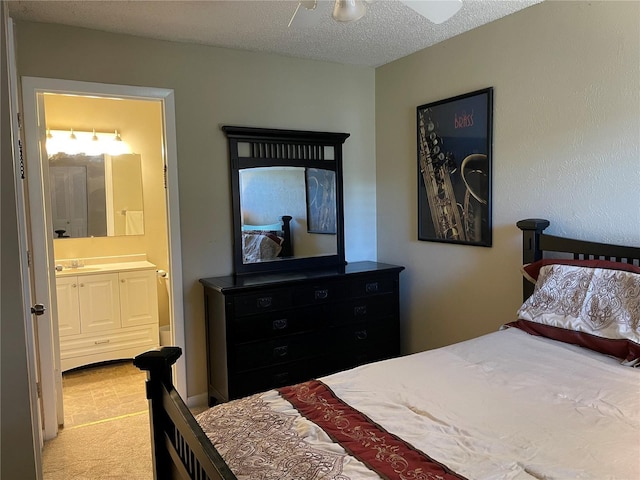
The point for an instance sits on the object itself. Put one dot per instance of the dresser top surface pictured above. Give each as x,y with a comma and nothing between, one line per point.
234,282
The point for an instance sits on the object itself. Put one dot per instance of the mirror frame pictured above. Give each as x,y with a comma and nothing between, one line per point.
292,148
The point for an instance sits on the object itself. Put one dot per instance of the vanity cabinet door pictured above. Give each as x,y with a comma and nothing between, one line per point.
138,297
68,306
99,302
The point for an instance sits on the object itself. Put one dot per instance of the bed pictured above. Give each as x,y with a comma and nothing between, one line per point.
552,395
265,243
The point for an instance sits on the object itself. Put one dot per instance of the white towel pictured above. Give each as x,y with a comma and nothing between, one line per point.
134,222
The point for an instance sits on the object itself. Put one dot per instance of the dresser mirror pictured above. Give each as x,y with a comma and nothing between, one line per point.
287,199
96,195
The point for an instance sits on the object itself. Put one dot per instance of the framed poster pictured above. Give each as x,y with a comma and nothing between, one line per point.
321,200
454,169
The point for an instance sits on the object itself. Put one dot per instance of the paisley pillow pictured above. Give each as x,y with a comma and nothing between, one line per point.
530,271
597,303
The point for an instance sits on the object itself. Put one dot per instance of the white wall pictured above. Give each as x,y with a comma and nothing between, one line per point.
566,148
213,87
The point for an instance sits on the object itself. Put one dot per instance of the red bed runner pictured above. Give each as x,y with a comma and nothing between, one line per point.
389,456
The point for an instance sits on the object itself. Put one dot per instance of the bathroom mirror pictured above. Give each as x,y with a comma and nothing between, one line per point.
291,175
96,195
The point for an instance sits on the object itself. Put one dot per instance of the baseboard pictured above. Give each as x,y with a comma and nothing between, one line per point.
197,401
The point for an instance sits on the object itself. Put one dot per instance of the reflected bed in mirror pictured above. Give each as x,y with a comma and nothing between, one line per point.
286,173
267,243
96,195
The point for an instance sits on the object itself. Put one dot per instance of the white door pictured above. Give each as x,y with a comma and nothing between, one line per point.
42,264
27,278
68,187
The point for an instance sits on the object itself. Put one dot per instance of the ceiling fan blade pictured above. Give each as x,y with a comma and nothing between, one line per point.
305,14
437,11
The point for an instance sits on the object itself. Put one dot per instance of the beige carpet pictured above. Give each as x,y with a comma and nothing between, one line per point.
106,431
118,448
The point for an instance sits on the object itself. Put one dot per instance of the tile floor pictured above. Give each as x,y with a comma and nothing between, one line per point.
102,392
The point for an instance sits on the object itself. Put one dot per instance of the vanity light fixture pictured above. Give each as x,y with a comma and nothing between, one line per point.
117,146
73,142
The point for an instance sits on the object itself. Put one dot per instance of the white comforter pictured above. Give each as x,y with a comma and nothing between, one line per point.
502,406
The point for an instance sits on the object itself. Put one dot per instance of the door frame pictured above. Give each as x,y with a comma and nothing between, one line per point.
35,136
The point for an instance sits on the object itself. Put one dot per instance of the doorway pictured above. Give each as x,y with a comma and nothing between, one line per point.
49,104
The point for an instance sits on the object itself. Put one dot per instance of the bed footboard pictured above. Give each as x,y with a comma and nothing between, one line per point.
180,449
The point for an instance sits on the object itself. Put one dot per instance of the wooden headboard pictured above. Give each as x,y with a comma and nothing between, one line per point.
535,244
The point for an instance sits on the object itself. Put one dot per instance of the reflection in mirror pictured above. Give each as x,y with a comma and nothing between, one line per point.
275,175
269,193
96,195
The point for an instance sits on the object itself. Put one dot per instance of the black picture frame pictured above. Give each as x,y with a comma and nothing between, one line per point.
321,200
454,155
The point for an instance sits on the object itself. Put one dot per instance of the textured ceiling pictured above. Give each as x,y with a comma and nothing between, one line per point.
389,30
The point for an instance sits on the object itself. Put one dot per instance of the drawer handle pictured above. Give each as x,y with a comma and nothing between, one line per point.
264,302
371,287
321,294
361,335
280,324
279,352
99,342
359,310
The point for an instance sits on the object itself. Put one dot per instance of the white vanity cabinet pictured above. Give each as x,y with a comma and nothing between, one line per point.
106,316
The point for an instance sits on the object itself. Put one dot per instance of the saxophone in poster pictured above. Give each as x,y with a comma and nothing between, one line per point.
454,173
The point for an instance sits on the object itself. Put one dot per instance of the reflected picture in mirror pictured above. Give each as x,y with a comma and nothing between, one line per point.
321,200
96,195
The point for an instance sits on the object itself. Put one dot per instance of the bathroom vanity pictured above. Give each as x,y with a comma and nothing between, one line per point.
107,309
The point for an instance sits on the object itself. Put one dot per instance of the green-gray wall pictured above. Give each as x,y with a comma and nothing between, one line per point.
566,78
566,147
216,86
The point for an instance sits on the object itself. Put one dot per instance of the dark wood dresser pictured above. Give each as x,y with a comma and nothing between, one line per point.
269,330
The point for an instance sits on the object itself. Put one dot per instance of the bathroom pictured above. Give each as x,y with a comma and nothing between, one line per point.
133,233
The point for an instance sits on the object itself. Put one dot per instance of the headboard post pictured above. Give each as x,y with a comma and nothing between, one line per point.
287,249
158,365
531,228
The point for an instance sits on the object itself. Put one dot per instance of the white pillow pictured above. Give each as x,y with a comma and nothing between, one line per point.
600,302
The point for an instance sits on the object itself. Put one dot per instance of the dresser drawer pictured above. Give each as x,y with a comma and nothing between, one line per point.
373,285
259,380
364,308
318,293
365,342
263,301
278,323
374,335
288,348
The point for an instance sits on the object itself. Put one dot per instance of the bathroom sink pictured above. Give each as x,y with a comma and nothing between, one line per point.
75,270
65,267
